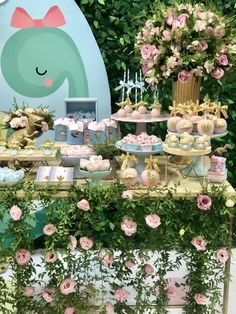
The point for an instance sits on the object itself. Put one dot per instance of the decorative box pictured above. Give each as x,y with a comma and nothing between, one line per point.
97,133
111,130
75,133
61,129
55,174
217,172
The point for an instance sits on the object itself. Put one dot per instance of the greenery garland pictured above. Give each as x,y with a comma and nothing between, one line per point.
101,244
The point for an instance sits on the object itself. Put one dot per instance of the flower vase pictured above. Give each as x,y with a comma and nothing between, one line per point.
188,91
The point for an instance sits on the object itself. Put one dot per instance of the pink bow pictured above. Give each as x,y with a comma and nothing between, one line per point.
53,18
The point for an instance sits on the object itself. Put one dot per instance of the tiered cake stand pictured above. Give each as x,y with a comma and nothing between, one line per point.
197,168
142,122
139,154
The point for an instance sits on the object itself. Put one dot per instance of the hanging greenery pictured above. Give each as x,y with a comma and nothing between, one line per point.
105,246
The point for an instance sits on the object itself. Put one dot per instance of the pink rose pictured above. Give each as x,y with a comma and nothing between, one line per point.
199,243
23,121
148,51
67,286
29,291
218,73
200,299
15,123
49,229
182,18
6,118
204,202
51,257
153,221
15,212
222,255
127,195
223,60
48,294
145,69
148,269
184,76
169,18
129,263
72,243
23,256
166,35
202,46
107,259
83,205
70,310
44,126
85,243
219,31
121,295
109,308
128,226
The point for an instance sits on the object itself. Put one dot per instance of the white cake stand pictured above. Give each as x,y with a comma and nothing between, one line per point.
140,155
142,122
197,167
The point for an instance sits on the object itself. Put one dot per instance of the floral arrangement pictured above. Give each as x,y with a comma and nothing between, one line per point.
19,117
185,40
98,228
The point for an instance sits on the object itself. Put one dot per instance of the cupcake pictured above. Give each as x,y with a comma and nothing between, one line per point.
185,143
173,141
200,143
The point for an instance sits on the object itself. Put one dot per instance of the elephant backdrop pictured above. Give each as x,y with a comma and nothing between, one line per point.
48,53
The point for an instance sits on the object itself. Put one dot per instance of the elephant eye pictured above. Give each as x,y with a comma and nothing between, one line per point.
40,73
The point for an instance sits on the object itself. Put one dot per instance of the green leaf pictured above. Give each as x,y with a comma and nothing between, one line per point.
101,2
96,24
112,226
122,41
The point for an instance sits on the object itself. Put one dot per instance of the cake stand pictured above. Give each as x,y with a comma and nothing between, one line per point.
197,167
142,122
94,176
139,154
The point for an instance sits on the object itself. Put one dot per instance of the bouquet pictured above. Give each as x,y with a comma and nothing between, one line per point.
185,40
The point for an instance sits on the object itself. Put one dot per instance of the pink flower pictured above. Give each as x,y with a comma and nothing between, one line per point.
85,243
49,229
15,212
199,243
67,286
72,243
145,69
148,269
6,118
204,202
127,195
184,76
51,257
222,255
223,60
218,73
200,299
48,294
29,291
129,263
15,123
83,205
169,18
23,121
166,35
153,221
23,256
107,259
109,308
70,310
44,126
148,51
128,226
202,46
121,295
219,31
182,18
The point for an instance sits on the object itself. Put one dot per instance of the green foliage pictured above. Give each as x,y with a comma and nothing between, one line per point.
107,151
102,224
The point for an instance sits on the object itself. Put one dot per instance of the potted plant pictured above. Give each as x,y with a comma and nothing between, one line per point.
108,151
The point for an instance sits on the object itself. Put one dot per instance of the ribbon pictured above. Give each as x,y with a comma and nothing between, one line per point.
141,86
124,103
122,85
221,109
140,103
152,164
126,158
53,18
130,86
